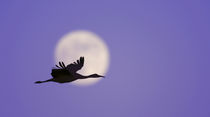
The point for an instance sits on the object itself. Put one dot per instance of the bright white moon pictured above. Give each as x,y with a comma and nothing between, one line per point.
84,43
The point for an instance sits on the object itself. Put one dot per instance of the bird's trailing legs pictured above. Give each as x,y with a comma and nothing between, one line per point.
38,82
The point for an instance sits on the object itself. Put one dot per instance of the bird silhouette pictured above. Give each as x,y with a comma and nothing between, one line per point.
65,74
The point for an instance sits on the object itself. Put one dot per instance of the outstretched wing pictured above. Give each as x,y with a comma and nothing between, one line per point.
61,65
74,67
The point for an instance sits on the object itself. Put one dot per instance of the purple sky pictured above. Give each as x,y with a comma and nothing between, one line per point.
160,58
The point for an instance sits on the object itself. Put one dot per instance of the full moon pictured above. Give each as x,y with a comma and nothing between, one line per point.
79,43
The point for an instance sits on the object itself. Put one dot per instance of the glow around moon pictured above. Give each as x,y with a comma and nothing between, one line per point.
84,43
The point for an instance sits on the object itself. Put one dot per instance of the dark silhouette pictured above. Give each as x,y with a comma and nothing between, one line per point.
64,74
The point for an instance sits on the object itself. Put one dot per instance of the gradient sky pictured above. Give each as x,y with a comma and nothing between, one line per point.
160,59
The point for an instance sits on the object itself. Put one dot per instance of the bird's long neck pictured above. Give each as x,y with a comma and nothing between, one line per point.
79,76
89,76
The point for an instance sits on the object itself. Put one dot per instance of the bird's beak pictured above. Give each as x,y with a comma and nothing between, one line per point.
102,76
